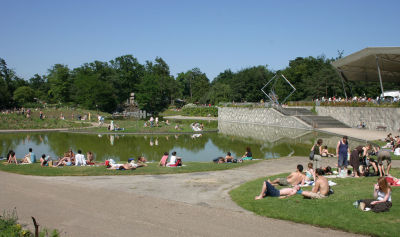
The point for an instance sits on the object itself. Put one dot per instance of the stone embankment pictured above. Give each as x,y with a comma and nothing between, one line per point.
263,116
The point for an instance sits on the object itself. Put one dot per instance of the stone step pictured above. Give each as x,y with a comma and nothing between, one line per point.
322,121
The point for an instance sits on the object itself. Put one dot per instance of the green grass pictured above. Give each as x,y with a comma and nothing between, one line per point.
137,126
15,121
152,168
171,112
335,212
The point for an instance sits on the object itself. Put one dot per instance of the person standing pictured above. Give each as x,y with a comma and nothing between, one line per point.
342,151
317,148
356,154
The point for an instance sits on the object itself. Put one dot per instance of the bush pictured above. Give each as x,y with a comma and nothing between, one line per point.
9,227
200,111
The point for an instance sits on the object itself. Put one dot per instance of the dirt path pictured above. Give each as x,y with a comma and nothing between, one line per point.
195,204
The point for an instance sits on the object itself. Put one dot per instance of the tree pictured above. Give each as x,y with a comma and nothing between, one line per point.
93,88
24,94
156,89
128,74
60,82
194,83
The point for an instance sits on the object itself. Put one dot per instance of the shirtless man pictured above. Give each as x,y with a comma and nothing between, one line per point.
269,190
321,188
293,179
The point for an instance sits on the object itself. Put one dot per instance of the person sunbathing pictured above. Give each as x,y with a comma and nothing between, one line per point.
269,190
383,195
321,187
229,157
128,166
293,179
164,158
142,160
11,158
325,152
65,161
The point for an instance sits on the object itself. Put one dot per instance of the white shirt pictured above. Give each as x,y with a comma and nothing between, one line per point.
381,196
80,160
172,160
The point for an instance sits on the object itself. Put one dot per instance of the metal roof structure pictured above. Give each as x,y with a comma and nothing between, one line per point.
371,64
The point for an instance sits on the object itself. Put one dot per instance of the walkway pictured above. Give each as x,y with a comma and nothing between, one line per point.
363,134
195,204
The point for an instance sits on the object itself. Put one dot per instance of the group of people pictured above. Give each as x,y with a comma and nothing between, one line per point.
297,179
393,144
359,158
69,159
173,161
248,155
382,191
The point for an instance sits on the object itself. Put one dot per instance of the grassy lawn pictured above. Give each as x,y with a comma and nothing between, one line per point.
14,121
335,212
137,126
152,168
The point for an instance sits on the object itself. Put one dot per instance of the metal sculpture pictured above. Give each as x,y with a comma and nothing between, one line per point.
272,96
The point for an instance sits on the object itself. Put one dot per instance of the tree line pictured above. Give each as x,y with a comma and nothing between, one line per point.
107,85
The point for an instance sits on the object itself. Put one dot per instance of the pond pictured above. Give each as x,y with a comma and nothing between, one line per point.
265,143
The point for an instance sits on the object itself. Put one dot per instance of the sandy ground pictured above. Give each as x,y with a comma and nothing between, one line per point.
363,134
195,204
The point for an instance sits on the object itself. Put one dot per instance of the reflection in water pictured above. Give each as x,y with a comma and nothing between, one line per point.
265,142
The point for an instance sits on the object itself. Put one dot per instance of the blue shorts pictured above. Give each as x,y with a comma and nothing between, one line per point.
343,160
271,190
68,164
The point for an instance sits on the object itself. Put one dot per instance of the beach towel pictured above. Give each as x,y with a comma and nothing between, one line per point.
393,181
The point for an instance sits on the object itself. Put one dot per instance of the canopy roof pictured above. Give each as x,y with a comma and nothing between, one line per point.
364,65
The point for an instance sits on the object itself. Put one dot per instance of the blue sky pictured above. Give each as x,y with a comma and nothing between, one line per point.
211,35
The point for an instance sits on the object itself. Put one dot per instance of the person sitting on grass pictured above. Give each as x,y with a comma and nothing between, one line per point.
310,173
164,158
247,155
229,158
11,158
89,158
325,152
383,195
142,160
321,187
45,160
269,190
80,159
293,179
173,160
65,161
29,158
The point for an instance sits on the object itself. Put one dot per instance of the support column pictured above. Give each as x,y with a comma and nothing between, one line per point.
379,73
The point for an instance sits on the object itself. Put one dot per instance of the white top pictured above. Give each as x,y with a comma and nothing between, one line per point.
172,160
397,151
80,160
381,196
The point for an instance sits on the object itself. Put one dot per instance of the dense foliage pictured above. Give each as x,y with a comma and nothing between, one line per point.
107,85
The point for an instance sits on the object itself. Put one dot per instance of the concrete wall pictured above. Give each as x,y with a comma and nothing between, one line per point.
260,132
263,116
371,116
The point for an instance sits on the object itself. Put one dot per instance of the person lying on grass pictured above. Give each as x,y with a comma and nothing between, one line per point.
269,190
321,187
128,166
383,195
293,179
